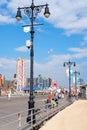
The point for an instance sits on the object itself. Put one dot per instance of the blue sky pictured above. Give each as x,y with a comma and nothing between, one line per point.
62,36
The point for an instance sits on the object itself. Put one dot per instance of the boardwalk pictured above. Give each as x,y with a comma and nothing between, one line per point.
74,117
9,110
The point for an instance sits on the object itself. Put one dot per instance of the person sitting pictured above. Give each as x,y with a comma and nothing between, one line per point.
54,101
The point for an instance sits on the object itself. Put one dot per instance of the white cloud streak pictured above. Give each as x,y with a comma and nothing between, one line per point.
6,19
22,49
70,15
79,52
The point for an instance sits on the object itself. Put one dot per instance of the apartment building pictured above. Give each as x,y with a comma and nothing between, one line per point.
21,73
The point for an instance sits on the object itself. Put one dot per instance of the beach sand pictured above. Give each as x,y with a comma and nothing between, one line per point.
74,117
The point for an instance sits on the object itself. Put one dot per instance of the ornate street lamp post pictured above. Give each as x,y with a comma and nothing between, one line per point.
32,12
76,75
69,64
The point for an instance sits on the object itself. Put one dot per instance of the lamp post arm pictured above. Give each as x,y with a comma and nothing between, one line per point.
35,6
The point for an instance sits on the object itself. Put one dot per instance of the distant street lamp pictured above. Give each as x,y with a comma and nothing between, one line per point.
69,64
81,81
32,13
76,76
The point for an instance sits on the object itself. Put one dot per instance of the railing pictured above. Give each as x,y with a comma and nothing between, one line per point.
17,121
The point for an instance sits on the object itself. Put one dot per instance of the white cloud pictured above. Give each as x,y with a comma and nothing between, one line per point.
6,12
79,52
68,15
53,68
6,19
22,49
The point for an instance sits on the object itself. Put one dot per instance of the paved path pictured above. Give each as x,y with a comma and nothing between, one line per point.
16,104
74,117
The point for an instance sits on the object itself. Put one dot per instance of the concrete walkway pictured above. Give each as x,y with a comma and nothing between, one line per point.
74,117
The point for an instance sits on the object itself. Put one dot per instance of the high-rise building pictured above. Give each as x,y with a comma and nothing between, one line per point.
21,73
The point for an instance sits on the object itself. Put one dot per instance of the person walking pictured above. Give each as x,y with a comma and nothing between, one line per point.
9,95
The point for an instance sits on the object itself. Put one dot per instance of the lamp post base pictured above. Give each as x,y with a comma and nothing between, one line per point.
31,112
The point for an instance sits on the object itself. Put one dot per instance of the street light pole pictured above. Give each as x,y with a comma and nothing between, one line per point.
32,12
76,74
69,63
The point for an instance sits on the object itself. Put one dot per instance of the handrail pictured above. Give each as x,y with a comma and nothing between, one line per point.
17,121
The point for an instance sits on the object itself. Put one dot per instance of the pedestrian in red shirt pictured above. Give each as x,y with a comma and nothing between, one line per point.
49,98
